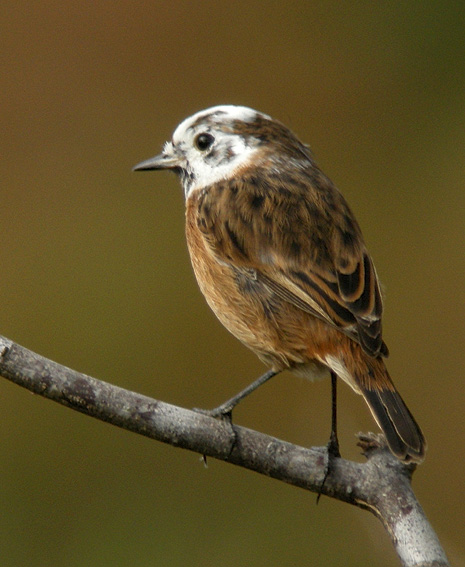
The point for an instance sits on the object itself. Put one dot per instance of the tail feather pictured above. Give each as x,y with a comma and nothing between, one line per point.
402,432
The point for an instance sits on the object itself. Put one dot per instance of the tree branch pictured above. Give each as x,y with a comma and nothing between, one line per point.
381,485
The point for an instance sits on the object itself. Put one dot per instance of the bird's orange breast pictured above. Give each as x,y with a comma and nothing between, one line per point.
236,301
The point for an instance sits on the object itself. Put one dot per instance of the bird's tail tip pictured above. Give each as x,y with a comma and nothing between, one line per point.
403,434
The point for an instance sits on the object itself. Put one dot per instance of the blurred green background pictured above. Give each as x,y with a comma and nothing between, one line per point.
95,272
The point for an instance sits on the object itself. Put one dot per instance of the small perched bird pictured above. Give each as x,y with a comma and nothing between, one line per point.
281,260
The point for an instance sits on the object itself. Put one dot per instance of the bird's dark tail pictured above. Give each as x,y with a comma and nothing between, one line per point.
404,436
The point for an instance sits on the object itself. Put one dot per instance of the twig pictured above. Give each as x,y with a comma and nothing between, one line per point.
381,485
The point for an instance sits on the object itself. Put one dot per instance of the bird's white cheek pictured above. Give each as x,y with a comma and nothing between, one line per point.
206,174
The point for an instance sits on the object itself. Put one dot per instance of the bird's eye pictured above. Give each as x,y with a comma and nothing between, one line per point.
204,141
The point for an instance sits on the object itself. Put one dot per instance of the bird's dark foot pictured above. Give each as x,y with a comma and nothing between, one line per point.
333,452
224,411
224,414
333,447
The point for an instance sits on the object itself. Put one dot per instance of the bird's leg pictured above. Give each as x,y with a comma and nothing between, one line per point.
333,444
226,408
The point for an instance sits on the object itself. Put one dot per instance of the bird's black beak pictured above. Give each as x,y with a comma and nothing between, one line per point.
162,161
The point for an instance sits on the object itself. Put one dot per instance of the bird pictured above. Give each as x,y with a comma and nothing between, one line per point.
281,260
